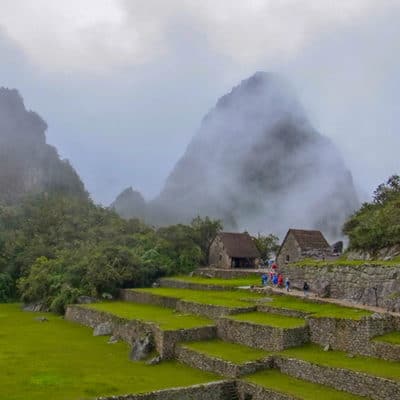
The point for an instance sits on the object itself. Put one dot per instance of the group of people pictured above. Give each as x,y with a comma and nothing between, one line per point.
276,279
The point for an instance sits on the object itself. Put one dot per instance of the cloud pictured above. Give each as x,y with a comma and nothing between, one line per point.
100,35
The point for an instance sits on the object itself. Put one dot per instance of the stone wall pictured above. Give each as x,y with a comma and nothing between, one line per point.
247,390
354,283
218,256
136,296
290,248
261,336
342,379
281,311
353,336
129,330
210,310
187,307
387,351
228,273
211,391
218,366
175,283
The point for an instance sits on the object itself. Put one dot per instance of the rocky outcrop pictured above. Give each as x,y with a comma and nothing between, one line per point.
27,163
256,161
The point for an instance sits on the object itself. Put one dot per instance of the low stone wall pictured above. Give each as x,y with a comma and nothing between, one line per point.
188,307
261,336
221,390
218,366
129,330
210,310
228,273
247,390
387,351
281,311
148,298
341,379
353,336
174,283
355,283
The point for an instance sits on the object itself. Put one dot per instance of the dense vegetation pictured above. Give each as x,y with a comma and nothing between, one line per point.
55,248
377,224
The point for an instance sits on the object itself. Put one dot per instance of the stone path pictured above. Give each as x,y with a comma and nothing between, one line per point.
346,303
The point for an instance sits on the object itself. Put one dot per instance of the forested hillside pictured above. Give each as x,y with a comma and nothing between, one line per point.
55,248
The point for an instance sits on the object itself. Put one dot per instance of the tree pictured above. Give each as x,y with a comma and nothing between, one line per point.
267,245
204,232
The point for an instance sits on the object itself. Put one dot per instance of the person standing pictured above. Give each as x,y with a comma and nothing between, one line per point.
306,288
287,284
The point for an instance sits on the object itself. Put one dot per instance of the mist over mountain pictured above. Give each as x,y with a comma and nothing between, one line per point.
27,163
129,203
257,163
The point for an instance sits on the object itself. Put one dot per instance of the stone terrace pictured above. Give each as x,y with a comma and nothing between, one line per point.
255,339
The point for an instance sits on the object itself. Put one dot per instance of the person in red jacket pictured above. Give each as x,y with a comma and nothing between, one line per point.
280,280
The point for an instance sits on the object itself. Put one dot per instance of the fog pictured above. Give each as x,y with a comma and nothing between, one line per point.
124,85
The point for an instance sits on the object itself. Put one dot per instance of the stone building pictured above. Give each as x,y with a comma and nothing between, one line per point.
233,250
300,244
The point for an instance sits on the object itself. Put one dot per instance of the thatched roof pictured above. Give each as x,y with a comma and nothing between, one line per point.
239,245
309,239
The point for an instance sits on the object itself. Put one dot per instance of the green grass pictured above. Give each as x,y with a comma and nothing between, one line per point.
274,320
233,352
276,381
244,298
392,338
339,359
327,310
165,318
235,298
62,360
229,283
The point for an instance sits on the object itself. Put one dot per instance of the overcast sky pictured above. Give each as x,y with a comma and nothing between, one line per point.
123,84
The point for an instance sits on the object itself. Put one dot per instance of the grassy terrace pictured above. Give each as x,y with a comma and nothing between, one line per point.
392,338
278,382
317,309
274,320
229,283
339,359
236,298
62,360
244,298
165,318
235,353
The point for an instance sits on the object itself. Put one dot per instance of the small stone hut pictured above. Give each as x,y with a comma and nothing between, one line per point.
300,244
233,250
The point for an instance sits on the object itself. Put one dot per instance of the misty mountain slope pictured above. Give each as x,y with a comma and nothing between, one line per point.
257,163
27,163
129,203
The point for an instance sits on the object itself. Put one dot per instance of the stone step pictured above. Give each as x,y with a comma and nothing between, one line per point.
268,332
272,384
364,376
227,359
